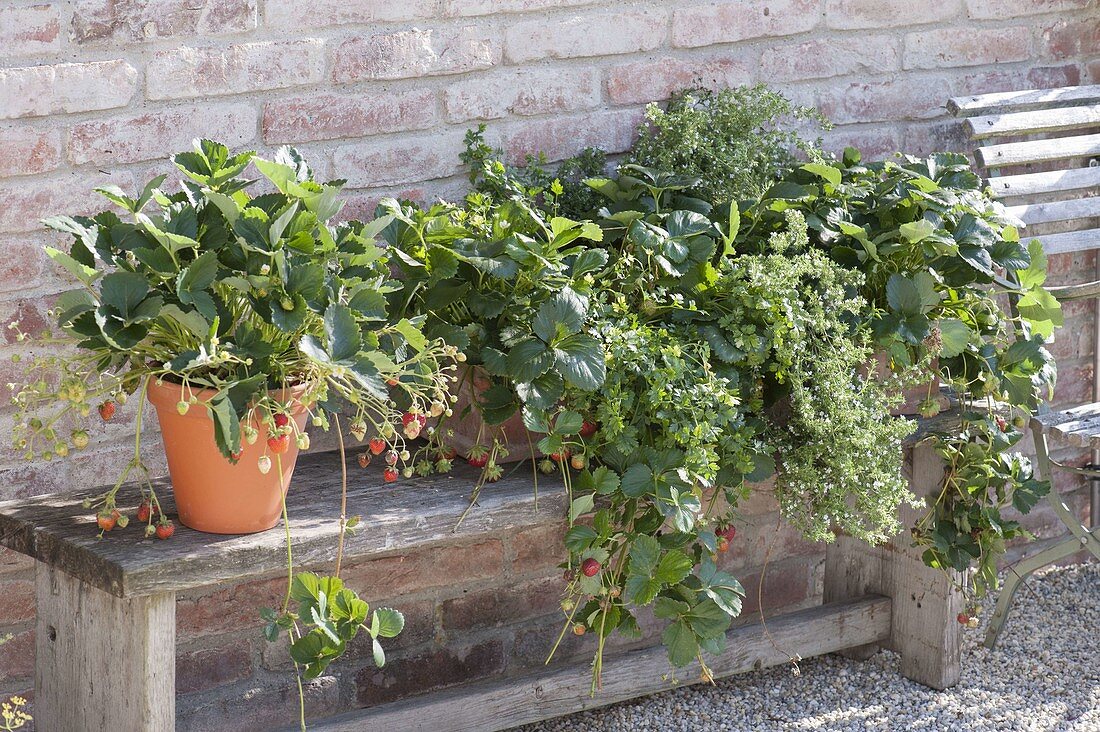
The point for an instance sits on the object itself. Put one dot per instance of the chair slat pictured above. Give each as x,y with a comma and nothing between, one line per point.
1018,100
1040,120
1071,241
1045,213
1054,181
1053,418
1038,151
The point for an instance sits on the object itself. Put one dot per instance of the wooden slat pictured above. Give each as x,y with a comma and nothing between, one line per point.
1024,123
397,517
1037,151
1045,213
512,702
1070,241
1078,426
1051,182
1027,99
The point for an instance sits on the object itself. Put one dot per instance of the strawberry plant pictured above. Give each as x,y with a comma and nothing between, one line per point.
243,297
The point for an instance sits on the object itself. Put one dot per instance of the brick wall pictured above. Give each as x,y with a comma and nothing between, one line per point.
380,93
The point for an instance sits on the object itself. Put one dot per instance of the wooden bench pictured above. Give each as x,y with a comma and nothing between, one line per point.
105,627
1041,152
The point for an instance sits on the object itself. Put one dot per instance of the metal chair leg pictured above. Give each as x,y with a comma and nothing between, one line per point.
1086,539
1017,575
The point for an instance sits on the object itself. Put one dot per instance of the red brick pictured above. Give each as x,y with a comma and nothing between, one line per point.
28,29
22,265
332,116
227,609
1071,268
535,639
27,151
428,671
947,47
904,98
764,537
488,7
30,314
522,92
12,561
578,36
1074,385
929,137
1009,9
858,14
33,91
1094,71
1009,79
17,656
640,82
538,548
785,583
322,13
1068,38
400,161
498,606
729,22
156,135
444,566
414,53
207,668
16,601
27,201
126,22
360,205
199,72
824,57
560,137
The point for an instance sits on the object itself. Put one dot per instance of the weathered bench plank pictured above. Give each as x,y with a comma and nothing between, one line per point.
1050,182
1038,151
1027,123
1026,99
57,530
513,702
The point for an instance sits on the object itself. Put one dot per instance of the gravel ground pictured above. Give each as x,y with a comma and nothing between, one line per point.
1043,675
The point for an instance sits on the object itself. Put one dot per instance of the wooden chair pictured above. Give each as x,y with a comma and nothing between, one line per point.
1041,153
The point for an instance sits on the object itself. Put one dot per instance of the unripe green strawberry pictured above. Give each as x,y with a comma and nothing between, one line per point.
182,407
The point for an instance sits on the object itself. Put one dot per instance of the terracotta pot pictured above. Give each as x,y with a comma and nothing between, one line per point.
212,494
913,395
469,429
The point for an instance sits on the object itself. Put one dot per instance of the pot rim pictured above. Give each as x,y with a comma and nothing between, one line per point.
166,394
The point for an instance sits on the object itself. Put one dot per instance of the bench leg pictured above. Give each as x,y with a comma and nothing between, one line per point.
102,662
926,601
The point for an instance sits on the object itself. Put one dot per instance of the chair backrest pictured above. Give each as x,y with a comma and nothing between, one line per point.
1041,153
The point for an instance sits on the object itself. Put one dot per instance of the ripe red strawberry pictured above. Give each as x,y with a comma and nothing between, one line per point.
588,429
1002,424
590,567
391,382
478,461
145,511
390,475
107,410
278,444
281,420
729,533
408,417
963,618
561,456
107,521
364,460
376,445
165,529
